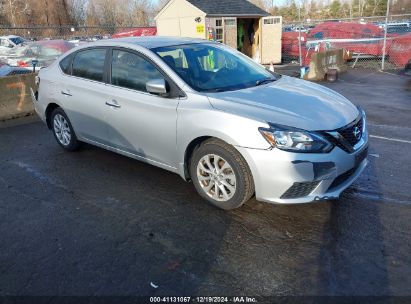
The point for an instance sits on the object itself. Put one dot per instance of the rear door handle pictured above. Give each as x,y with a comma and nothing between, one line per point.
66,93
113,104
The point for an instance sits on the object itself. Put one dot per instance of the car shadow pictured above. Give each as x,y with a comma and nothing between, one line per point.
353,254
98,223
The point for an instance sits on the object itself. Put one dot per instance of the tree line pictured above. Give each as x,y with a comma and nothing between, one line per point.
127,13
334,9
91,13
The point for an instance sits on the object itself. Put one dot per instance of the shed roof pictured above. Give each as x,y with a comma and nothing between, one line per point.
233,8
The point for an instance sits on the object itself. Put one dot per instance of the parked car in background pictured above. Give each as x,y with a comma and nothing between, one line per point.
400,30
287,29
208,113
361,40
399,51
97,37
136,32
6,70
301,29
45,52
9,42
77,40
397,28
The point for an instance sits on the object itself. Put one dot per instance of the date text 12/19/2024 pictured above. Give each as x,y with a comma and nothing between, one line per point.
239,299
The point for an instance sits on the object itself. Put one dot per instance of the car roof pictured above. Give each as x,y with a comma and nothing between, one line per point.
10,36
151,42
48,42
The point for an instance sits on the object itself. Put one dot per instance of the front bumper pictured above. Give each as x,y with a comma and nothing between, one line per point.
293,178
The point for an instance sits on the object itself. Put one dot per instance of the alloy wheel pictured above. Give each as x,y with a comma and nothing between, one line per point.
62,129
216,177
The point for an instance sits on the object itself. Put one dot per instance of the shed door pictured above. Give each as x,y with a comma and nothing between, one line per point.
230,32
271,40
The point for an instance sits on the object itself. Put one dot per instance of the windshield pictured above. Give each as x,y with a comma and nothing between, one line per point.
17,40
214,68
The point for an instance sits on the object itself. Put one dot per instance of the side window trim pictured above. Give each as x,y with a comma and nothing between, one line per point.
74,54
107,65
178,92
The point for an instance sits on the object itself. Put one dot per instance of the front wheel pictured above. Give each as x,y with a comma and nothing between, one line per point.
221,175
63,131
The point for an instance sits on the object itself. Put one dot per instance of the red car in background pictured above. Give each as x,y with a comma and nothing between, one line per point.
345,30
360,39
136,32
399,51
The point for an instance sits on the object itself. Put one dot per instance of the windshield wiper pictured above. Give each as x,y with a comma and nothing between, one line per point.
263,81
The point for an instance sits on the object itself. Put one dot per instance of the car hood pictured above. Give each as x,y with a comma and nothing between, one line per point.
289,102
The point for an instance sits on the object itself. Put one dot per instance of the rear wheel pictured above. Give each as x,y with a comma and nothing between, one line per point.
63,131
221,175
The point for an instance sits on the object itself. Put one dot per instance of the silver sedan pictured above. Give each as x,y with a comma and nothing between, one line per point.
209,114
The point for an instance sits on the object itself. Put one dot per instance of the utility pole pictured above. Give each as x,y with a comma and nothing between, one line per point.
351,10
299,33
384,48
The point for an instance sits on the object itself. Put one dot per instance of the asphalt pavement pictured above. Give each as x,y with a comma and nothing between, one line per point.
97,223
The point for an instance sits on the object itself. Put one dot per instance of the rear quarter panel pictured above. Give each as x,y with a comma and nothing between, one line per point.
49,88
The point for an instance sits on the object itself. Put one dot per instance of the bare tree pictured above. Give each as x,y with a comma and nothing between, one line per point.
13,9
108,10
259,3
92,18
161,4
141,12
77,10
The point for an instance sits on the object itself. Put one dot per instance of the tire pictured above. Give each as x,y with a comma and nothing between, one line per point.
216,186
63,131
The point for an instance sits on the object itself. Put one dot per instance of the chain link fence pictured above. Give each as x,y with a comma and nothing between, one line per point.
36,33
369,42
24,47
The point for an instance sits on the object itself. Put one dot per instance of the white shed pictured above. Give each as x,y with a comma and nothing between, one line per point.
237,23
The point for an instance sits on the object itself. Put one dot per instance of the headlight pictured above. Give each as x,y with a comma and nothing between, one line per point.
364,121
296,140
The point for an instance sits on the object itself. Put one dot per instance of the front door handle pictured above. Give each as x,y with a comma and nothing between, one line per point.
113,104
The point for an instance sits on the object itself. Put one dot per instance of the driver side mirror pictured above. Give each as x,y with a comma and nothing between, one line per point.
157,87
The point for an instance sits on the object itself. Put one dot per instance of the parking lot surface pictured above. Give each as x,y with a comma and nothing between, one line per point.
97,223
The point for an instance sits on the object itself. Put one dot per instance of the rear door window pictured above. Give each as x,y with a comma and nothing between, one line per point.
89,64
65,64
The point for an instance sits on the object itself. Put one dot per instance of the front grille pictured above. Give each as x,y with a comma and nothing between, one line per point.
300,189
349,132
347,137
340,179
